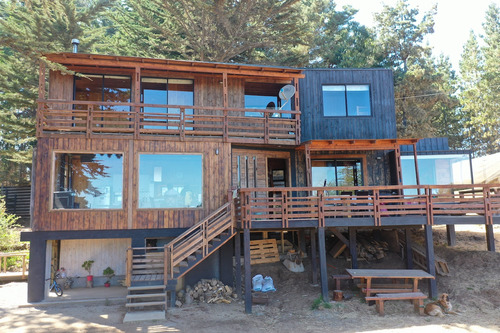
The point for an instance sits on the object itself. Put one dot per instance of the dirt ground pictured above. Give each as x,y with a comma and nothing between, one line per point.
473,285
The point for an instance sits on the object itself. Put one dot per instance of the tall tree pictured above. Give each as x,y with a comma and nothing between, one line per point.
219,30
340,41
27,30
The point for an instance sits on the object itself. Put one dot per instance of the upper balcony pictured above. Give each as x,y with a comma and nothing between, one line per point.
156,99
98,119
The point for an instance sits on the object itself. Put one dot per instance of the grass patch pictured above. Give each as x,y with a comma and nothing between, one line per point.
320,304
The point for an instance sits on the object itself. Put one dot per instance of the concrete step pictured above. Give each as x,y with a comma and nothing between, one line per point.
135,305
152,287
145,296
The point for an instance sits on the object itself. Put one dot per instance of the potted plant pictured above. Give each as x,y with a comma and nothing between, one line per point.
87,265
108,273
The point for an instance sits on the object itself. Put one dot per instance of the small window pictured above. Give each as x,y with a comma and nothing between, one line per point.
88,181
170,181
346,100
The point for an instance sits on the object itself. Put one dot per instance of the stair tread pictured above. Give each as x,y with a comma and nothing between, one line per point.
145,295
146,287
144,304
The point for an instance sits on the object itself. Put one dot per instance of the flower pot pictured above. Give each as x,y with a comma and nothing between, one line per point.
90,278
107,284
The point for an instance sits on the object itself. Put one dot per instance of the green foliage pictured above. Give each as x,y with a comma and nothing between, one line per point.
108,272
87,265
9,233
480,87
320,304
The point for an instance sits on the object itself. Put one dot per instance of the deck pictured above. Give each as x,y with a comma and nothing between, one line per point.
368,206
127,120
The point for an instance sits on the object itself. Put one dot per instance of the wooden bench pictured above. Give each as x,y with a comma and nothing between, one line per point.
337,278
371,291
416,297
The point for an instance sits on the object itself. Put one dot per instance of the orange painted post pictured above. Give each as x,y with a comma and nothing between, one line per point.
266,127
182,125
376,207
321,213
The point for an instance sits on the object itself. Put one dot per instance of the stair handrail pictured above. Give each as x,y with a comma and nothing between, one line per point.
198,236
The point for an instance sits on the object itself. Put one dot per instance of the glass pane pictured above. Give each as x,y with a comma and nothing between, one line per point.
259,102
88,88
358,100
170,181
180,92
323,174
117,89
334,101
88,181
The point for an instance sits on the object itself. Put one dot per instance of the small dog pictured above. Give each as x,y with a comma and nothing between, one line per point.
440,307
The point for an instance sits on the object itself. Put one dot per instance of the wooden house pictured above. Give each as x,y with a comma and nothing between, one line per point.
152,167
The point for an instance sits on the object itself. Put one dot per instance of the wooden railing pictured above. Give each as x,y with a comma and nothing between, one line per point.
156,121
376,202
197,238
3,261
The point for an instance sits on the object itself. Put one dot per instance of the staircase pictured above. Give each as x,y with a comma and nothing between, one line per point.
153,272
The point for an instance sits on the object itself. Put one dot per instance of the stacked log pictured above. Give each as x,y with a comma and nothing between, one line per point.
211,291
371,249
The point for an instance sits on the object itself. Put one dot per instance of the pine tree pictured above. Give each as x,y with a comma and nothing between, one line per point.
28,29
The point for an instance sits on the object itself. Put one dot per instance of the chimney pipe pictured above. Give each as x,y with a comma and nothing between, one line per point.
75,43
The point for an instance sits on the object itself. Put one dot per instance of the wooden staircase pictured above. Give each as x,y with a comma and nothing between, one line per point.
152,272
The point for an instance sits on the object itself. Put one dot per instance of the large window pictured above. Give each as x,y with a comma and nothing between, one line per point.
88,181
170,181
346,100
166,91
337,172
103,88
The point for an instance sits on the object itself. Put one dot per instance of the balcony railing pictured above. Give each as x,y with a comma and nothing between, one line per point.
178,122
374,203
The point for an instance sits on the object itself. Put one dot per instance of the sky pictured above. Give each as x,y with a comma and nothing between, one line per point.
453,22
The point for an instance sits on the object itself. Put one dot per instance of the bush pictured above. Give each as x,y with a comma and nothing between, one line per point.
320,304
9,232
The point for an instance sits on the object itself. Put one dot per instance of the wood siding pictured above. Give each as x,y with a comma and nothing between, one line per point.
104,252
380,125
216,182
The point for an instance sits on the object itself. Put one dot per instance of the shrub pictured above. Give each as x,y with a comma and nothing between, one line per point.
9,232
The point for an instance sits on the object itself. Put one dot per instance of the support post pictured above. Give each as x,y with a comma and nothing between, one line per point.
352,247
237,257
36,277
302,240
450,235
490,238
431,266
408,249
248,271
415,160
322,263
314,261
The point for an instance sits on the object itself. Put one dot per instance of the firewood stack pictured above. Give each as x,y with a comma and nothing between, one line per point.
371,249
207,291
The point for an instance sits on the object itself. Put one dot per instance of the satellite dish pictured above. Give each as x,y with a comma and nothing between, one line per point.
286,93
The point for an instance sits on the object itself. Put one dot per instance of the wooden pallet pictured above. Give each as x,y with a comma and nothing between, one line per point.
419,259
264,251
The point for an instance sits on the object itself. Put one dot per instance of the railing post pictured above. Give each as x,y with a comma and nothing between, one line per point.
24,265
167,267
128,273
284,209
182,125
137,127
321,212
376,207
248,212
428,206
225,129
266,127
488,214
89,119
297,129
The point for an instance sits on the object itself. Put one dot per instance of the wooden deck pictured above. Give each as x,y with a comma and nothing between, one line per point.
369,206
147,277
101,119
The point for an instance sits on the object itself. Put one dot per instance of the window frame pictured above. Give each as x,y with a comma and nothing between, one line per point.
129,76
53,175
138,173
345,85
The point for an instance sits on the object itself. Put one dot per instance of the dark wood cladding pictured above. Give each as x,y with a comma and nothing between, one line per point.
216,180
380,125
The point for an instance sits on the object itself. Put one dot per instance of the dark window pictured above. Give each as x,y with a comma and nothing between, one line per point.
88,181
103,88
346,100
259,95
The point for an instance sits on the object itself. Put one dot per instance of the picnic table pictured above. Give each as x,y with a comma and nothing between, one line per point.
396,290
